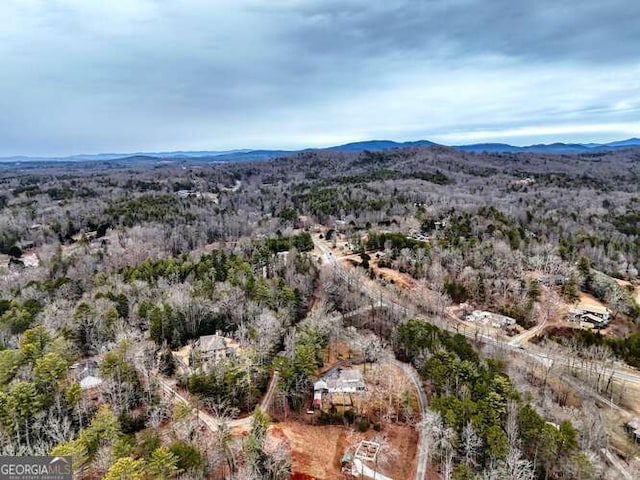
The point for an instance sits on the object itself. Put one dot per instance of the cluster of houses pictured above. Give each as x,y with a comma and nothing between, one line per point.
337,387
196,194
489,318
590,316
201,354
523,182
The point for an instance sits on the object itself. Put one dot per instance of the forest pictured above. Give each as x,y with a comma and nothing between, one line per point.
110,270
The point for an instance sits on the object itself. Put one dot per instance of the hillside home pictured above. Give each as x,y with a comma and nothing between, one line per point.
591,316
337,386
347,380
488,318
601,312
88,374
209,349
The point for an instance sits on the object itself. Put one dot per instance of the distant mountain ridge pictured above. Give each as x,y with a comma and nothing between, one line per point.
552,148
377,145
239,155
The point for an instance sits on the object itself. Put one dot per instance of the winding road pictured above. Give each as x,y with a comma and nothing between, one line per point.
516,345
423,454
410,372
209,420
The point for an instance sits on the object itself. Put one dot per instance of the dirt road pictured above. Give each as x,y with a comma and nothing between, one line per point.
208,420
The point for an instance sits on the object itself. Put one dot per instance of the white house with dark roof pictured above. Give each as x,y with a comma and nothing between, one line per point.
591,316
88,375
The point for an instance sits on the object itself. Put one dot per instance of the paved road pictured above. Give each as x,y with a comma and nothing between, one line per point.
383,299
268,397
616,463
359,468
423,454
515,345
410,372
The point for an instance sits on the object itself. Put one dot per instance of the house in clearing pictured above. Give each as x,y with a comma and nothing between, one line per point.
210,349
26,245
588,320
591,316
345,380
489,318
603,313
338,386
87,374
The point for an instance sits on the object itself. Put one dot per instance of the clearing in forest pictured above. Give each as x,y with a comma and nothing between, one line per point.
316,450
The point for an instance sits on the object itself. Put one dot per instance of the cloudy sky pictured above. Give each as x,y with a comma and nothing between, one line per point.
85,76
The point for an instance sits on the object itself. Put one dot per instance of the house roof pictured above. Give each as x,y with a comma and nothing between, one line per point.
90,382
344,380
87,369
350,375
320,385
594,309
211,343
592,318
634,424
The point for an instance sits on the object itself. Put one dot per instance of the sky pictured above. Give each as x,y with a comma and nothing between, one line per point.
90,76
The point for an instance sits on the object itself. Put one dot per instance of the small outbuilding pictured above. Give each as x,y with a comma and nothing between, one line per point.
632,427
346,462
319,388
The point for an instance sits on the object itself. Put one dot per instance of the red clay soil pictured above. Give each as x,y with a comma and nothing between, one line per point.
301,476
317,450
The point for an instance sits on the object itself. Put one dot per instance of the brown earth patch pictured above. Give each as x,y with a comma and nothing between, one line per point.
316,451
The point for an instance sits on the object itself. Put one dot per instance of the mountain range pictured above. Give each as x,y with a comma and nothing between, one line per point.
220,156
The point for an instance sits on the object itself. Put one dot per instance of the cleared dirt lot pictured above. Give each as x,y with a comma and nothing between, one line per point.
402,280
316,450
588,299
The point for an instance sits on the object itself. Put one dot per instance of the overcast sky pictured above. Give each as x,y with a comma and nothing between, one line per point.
88,76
